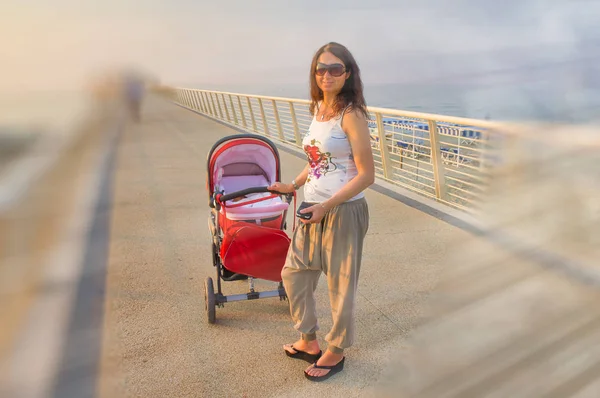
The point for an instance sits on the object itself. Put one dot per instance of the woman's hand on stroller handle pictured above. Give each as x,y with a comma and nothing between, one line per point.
248,191
279,187
243,192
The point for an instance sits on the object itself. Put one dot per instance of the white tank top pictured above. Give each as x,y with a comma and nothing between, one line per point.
330,160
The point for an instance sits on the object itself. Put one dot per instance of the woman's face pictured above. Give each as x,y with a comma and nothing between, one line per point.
330,73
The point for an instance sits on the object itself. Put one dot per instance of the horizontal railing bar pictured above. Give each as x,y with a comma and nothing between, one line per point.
474,186
459,172
458,197
387,111
409,174
453,187
406,173
413,182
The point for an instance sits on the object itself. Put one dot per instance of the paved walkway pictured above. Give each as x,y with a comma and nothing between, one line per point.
138,326
156,339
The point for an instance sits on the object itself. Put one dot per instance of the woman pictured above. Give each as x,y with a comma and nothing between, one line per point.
340,167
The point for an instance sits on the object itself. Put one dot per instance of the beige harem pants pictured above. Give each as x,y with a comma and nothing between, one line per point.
333,247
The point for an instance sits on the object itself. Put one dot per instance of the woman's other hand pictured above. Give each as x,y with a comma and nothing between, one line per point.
318,212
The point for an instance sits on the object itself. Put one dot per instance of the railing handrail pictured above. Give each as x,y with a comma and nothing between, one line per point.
372,109
298,100
446,158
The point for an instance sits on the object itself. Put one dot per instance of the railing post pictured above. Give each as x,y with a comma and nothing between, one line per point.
225,106
242,112
219,105
208,104
235,119
264,118
196,102
212,101
216,105
188,99
199,101
191,99
383,148
221,110
184,97
295,123
203,102
251,114
276,114
439,175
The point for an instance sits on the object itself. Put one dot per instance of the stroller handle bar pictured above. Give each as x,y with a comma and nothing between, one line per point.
247,191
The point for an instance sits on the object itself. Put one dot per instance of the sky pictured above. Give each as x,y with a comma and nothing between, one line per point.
60,44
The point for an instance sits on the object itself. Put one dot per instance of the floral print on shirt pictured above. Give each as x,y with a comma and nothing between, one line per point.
320,162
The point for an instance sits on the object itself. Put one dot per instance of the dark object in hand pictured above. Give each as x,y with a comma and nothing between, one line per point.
304,205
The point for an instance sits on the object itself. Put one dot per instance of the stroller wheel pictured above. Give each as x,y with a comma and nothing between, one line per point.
209,300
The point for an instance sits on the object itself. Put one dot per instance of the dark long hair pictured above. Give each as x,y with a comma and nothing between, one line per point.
352,92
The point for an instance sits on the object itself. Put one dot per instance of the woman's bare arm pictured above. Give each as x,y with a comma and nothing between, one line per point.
357,130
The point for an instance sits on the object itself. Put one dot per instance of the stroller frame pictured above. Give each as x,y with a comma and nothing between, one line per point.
216,200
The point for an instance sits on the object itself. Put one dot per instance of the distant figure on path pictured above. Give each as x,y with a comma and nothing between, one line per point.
134,93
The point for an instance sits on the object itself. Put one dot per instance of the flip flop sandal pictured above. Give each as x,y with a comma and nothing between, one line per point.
332,370
305,356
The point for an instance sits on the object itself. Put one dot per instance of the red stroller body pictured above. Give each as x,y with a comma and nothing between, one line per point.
247,221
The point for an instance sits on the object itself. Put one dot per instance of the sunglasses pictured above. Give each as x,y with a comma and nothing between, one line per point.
335,70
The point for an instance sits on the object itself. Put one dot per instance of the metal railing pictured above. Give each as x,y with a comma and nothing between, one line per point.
442,157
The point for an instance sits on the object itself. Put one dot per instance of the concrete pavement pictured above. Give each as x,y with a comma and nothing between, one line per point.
156,339
135,324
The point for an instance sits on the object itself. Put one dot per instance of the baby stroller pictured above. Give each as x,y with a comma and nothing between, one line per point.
247,221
